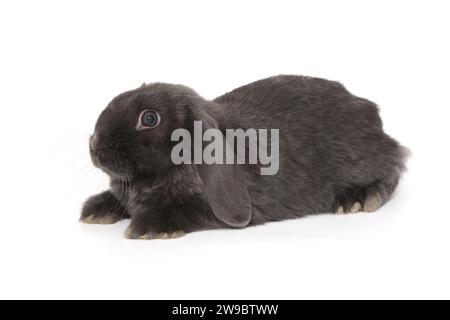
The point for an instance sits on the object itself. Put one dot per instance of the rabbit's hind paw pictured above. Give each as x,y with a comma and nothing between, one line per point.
373,203
357,207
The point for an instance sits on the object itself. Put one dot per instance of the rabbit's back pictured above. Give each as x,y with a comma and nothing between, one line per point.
330,141
277,101
280,88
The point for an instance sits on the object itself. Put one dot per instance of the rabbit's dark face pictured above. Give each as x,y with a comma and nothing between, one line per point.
132,135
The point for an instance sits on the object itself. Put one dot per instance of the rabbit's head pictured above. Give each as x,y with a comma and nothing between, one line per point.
133,134
132,139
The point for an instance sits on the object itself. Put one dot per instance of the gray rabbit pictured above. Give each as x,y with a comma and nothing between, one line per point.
333,157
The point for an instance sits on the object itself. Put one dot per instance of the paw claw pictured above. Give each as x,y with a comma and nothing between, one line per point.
356,208
149,236
128,233
173,235
178,234
340,210
162,235
373,203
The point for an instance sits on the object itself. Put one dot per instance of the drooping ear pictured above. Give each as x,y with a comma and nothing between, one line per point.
224,185
225,189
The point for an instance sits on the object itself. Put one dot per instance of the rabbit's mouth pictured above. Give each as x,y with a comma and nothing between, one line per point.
111,168
108,160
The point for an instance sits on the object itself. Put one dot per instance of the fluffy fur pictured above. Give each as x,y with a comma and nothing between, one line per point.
334,157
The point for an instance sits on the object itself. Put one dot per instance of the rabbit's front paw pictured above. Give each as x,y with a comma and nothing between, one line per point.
103,208
151,235
144,228
107,218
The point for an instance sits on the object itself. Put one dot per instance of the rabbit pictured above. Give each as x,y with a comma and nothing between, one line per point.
333,158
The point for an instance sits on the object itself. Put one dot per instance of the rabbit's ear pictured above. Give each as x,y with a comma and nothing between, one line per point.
226,191
224,185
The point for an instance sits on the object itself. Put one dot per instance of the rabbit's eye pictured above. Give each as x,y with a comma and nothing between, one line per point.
148,119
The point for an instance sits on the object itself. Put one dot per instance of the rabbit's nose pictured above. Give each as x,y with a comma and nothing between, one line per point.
93,141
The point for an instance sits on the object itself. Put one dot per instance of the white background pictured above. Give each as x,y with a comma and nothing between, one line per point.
62,61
